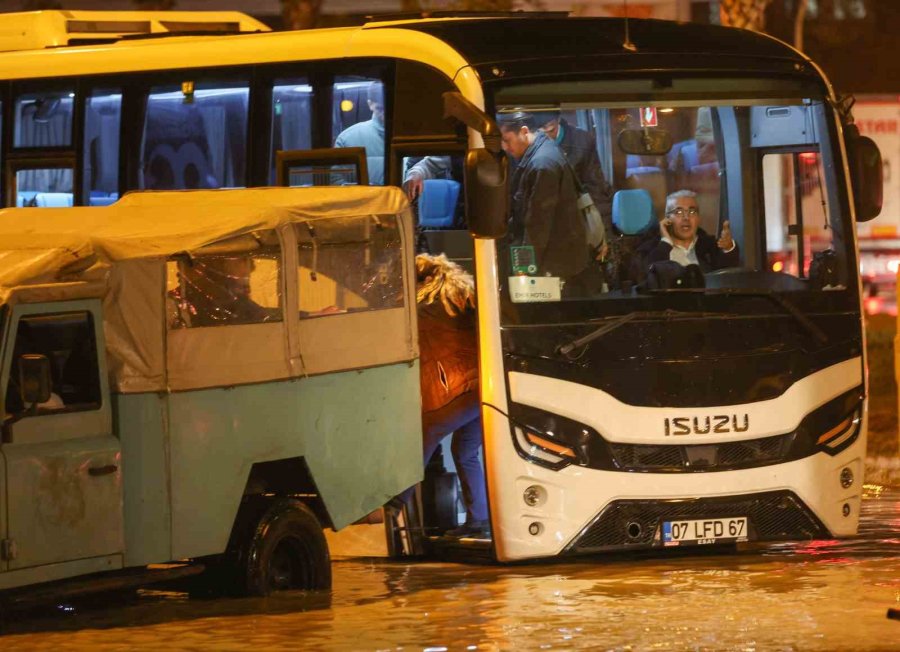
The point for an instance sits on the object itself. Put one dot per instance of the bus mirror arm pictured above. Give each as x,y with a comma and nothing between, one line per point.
458,107
487,193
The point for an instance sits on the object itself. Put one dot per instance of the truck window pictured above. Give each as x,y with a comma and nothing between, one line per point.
225,289
349,265
69,343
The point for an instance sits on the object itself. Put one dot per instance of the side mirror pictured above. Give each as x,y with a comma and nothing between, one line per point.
34,378
866,174
487,193
648,141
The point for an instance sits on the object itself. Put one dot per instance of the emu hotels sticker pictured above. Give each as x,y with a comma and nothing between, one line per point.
534,289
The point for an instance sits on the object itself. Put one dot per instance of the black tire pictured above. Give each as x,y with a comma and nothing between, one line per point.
285,551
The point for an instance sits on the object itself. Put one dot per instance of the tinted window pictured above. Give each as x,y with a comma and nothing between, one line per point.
44,187
102,119
292,101
195,136
358,112
44,119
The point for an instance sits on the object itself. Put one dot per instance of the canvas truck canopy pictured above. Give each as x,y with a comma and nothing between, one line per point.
328,275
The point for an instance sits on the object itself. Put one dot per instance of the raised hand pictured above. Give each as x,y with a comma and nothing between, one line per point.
725,241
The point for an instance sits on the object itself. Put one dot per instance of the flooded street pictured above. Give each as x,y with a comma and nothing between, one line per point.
821,596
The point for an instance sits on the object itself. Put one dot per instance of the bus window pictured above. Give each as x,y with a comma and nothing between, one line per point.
102,118
358,120
195,136
291,118
44,119
349,265
797,210
44,187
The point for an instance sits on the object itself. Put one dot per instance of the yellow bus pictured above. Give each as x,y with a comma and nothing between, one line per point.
664,406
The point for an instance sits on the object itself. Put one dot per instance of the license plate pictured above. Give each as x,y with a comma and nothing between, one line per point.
704,531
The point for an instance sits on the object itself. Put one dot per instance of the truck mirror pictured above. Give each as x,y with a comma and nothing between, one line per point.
34,378
866,174
487,196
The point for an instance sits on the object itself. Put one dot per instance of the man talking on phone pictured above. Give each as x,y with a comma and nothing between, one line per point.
681,239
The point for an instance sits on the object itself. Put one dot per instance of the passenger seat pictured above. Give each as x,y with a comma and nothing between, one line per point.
634,217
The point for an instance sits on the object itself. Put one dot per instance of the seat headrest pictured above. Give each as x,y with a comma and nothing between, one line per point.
632,211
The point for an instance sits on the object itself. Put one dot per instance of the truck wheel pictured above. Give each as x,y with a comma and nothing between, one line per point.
287,551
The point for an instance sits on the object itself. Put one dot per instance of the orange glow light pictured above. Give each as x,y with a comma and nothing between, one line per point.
777,266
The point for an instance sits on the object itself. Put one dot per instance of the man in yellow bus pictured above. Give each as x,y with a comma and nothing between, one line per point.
369,134
681,239
544,213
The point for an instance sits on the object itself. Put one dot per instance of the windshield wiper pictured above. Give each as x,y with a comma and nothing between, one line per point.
808,324
616,322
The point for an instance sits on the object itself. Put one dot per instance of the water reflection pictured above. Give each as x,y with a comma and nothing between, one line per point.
819,596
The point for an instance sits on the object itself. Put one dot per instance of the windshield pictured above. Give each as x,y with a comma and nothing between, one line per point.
615,202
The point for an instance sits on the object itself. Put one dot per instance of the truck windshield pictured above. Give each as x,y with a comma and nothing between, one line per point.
699,195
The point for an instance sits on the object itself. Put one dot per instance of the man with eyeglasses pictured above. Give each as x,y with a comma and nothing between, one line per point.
681,239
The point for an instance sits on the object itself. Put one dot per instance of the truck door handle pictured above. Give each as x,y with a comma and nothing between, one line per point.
102,470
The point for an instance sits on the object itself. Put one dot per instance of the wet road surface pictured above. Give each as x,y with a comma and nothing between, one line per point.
820,596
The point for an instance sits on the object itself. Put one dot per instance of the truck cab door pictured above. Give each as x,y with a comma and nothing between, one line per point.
63,481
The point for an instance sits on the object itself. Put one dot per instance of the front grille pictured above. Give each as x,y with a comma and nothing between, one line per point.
702,457
773,516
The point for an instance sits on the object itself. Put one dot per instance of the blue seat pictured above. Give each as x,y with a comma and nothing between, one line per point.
53,200
632,211
437,203
99,198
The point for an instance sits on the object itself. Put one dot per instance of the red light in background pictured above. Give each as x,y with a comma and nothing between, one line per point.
873,305
808,157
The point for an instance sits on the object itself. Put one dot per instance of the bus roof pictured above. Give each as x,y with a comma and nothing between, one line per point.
525,46
554,44
34,30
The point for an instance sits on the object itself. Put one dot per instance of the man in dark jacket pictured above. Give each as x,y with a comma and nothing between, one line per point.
580,150
544,211
681,240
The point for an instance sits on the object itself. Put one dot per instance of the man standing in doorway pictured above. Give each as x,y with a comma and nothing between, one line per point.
544,210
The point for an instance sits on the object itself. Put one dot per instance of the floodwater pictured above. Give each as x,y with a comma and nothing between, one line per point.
821,596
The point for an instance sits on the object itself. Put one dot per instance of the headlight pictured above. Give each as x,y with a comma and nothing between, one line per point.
548,439
832,427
